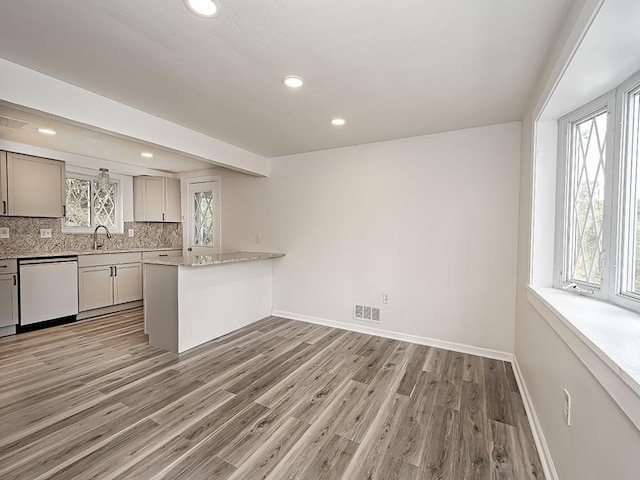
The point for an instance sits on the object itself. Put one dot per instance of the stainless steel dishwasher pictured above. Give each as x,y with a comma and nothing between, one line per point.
48,289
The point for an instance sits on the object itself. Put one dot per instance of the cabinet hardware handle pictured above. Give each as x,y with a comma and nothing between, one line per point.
64,210
4,206
15,280
163,217
164,255
3,266
111,271
115,271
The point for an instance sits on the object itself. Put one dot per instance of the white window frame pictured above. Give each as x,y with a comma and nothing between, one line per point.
616,216
624,178
119,206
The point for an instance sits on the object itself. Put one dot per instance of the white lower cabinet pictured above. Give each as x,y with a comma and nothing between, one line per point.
8,296
109,279
127,283
95,288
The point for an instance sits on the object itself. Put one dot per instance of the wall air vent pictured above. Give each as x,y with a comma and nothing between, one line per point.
11,122
366,314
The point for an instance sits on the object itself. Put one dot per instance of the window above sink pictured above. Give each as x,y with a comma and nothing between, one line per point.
89,205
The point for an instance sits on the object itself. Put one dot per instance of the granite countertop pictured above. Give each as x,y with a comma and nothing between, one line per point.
7,256
217,259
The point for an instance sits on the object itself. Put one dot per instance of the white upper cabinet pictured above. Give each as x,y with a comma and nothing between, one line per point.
31,186
173,209
156,199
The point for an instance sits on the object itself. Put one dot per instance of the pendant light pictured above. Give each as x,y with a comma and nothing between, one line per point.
103,179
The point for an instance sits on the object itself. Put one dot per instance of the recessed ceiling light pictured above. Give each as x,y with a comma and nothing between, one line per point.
203,8
147,154
292,81
338,122
47,131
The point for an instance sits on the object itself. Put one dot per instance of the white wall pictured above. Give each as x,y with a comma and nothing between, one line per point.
602,443
431,220
244,212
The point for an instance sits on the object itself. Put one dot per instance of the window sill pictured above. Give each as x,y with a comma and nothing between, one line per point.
606,338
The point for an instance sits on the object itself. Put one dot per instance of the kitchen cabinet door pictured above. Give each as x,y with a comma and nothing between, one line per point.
4,195
156,199
148,199
173,208
127,283
8,300
95,287
35,186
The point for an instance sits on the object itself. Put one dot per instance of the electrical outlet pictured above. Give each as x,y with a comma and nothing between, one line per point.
4,232
258,238
130,231
45,233
385,298
567,407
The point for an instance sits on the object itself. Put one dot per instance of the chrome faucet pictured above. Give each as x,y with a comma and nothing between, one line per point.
97,245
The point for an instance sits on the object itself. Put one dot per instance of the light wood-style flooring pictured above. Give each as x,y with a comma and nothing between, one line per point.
277,400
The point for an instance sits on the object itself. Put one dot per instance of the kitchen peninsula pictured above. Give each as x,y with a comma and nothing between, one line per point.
191,300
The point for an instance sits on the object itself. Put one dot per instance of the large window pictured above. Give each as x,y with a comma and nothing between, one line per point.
598,228
89,205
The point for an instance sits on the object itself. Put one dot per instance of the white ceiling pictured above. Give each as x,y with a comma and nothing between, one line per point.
392,68
90,143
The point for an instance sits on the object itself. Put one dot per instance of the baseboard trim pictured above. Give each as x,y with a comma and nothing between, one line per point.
405,337
549,468
99,312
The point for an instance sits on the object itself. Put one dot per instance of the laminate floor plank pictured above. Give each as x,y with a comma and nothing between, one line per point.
414,367
245,443
498,392
378,453
111,454
526,444
440,457
409,437
157,461
473,461
200,465
473,369
434,361
271,452
278,399
39,441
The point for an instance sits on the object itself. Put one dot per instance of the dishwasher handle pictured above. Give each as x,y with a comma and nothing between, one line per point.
37,261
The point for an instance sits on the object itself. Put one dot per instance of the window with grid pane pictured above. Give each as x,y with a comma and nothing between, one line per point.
598,227
88,205
203,233
586,199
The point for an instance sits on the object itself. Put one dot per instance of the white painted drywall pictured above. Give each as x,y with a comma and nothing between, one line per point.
430,220
245,212
602,442
216,300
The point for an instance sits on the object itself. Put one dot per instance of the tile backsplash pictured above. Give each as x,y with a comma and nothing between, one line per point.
24,236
